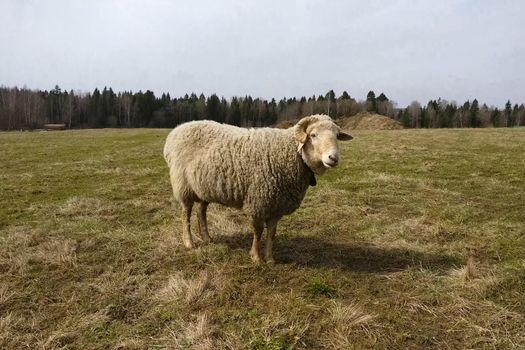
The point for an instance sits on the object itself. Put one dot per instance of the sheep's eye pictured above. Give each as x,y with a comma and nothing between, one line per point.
313,135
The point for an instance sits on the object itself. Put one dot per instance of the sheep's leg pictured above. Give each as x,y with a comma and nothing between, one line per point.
186,226
271,226
258,227
203,222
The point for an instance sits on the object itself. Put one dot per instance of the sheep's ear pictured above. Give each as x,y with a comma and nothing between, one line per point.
343,136
300,131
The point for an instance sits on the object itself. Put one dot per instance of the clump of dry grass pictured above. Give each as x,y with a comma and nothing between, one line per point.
346,320
9,322
6,323
56,340
226,221
25,246
195,335
349,315
279,330
467,272
191,289
82,206
57,252
131,344
62,336
5,294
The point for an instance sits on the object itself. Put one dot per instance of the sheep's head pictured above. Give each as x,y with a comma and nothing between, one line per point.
317,136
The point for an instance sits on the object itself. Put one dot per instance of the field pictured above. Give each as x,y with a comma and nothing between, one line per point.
417,241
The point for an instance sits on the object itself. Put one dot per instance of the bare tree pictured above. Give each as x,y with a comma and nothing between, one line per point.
415,113
126,101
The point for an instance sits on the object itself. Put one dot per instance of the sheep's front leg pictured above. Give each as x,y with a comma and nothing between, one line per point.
258,227
203,222
271,226
186,226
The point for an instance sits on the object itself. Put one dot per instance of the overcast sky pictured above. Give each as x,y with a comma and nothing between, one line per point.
410,50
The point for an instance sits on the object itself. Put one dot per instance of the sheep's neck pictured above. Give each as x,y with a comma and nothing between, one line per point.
311,174
312,179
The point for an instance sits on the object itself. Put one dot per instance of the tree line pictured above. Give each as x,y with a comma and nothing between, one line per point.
30,109
443,114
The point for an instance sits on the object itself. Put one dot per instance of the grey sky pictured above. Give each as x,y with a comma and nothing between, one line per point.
411,50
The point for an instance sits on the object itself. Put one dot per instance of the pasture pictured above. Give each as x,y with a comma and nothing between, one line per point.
417,241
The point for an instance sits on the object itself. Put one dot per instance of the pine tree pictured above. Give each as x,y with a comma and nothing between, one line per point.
371,104
495,118
507,113
331,108
382,97
406,119
213,108
515,116
235,112
345,96
474,114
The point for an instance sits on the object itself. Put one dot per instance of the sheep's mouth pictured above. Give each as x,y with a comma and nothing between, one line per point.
330,164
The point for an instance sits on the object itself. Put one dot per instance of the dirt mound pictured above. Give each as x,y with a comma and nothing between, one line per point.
285,124
362,121
368,121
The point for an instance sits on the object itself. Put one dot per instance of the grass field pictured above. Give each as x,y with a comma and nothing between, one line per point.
416,242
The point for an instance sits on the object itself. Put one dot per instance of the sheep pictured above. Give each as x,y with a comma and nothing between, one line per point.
264,171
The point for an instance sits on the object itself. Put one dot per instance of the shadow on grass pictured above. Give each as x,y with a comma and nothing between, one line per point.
359,257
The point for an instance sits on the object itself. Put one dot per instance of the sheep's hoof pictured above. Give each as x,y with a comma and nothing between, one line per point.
255,257
270,261
189,245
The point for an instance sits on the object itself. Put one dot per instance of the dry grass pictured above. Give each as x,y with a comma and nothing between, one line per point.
197,335
191,290
347,321
415,242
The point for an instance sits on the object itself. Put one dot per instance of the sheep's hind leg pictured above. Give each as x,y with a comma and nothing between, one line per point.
258,227
203,222
271,226
186,226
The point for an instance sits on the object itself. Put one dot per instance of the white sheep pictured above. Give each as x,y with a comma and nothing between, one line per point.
265,171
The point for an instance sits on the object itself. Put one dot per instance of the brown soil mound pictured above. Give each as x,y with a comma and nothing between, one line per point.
368,121
362,121
285,124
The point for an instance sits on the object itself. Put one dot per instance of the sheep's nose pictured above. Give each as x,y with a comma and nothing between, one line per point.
333,158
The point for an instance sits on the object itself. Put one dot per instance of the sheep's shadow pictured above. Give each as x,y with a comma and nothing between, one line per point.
319,252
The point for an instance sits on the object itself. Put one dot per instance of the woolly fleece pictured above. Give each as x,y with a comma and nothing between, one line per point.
259,170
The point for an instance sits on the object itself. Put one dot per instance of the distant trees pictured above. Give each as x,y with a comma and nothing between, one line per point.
443,114
495,117
329,104
28,109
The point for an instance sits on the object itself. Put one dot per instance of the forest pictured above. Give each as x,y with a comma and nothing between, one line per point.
25,109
